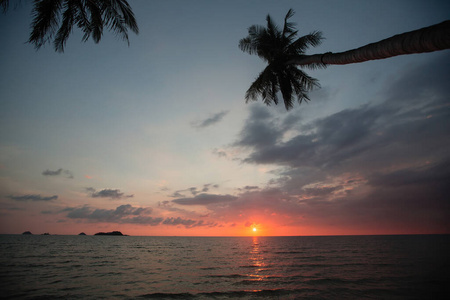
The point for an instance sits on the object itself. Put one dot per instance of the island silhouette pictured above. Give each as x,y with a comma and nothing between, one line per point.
118,233
110,233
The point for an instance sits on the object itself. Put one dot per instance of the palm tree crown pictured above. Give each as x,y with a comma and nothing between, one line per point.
55,19
277,47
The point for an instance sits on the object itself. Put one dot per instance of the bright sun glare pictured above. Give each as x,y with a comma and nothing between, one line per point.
254,229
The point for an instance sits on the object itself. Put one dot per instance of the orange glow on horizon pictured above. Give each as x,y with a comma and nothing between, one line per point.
244,228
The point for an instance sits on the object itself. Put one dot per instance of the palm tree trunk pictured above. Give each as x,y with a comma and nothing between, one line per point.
428,39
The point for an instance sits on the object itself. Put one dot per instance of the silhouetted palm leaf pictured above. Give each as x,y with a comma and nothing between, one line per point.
55,19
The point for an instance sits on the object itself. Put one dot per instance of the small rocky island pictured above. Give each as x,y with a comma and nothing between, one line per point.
82,233
27,232
110,233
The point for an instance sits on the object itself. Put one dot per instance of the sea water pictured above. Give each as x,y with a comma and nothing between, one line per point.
127,267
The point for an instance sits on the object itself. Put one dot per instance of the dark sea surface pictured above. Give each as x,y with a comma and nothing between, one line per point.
127,267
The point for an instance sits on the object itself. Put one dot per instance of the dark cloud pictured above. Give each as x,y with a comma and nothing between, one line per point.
165,203
219,153
188,223
52,173
127,214
122,214
179,221
321,191
204,199
260,130
176,194
438,173
323,142
107,193
248,188
193,190
32,197
210,121
59,172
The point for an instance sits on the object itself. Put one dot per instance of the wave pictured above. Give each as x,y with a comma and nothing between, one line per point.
210,268
289,252
260,294
227,276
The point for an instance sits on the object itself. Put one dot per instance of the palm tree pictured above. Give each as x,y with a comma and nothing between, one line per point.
55,19
285,53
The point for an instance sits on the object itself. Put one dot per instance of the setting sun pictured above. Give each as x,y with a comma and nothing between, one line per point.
254,229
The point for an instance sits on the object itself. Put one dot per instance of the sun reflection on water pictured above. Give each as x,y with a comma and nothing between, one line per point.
257,261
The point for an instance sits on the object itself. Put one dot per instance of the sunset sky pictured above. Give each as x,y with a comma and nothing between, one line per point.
155,138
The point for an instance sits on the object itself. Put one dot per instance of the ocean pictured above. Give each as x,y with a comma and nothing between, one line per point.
129,267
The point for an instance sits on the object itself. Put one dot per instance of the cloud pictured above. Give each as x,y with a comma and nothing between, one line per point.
438,173
219,153
122,214
260,130
204,199
127,214
60,171
249,188
193,190
179,221
176,194
107,193
52,173
32,197
188,223
209,121
322,142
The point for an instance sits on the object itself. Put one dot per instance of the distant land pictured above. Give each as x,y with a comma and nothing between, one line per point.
110,233
82,233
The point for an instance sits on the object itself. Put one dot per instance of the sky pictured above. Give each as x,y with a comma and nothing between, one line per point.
155,137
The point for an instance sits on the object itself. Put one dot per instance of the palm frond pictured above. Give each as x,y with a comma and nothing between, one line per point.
272,28
115,21
303,43
246,45
45,21
118,16
96,21
127,15
289,27
66,26
290,38
82,19
265,85
286,89
302,83
250,44
4,4
91,16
